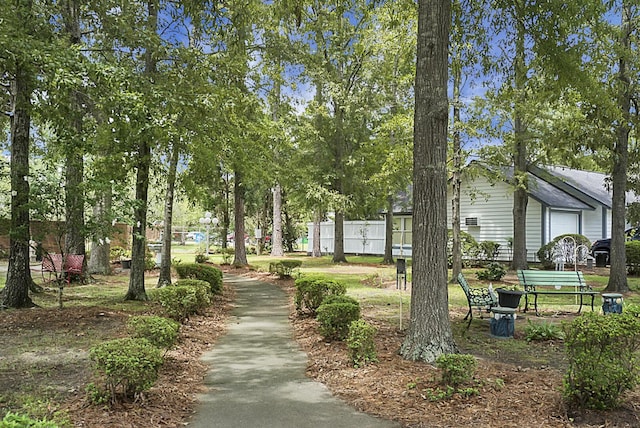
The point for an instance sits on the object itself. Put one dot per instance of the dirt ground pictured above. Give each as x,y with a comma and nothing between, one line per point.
512,390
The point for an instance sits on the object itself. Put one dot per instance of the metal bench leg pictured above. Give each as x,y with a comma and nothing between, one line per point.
580,308
535,303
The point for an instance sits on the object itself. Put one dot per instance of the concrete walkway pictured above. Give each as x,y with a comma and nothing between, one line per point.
257,375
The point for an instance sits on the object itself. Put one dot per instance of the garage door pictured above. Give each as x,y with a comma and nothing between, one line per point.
563,222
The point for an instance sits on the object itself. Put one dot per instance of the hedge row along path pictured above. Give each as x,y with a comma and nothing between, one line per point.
257,371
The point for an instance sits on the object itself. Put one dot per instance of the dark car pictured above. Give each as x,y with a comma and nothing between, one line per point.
602,247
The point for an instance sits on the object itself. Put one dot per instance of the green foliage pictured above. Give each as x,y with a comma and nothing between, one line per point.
284,268
97,395
161,332
15,420
603,361
117,253
456,368
469,247
149,260
335,315
489,249
633,257
202,272
311,291
129,366
494,272
201,258
227,255
361,344
545,253
181,301
542,331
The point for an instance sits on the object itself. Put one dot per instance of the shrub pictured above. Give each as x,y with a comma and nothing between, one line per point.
180,301
128,365
361,344
284,268
542,331
202,272
161,332
15,420
201,258
310,291
456,368
469,246
602,358
545,253
489,249
335,315
494,272
227,255
633,257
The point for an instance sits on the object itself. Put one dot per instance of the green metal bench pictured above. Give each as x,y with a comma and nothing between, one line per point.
536,282
480,298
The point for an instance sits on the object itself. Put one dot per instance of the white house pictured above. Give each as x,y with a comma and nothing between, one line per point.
561,200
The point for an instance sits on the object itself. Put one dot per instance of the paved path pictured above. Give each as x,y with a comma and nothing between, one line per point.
257,376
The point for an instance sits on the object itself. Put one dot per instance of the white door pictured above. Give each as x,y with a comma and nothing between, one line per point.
562,222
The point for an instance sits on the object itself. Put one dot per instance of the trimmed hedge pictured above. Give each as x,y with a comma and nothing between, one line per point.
311,291
202,272
128,366
335,315
180,301
161,332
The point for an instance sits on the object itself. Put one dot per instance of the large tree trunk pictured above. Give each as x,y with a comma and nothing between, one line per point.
338,240
136,289
617,275
430,334
74,153
276,237
520,196
240,254
165,264
388,233
16,291
456,250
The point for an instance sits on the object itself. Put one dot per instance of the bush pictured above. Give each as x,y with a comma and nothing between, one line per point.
494,272
335,315
545,253
542,331
129,366
601,351
311,291
180,301
633,257
202,272
161,332
15,420
201,258
284,268
227,255
489,249
456,368
469,246
361,344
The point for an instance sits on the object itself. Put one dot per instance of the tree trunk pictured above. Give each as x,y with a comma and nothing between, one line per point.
388,233
430,334
338,240
165,264
456,249
317,249
16,291
74,153
138,247
100,257
240,254
276,236
617,274
520,196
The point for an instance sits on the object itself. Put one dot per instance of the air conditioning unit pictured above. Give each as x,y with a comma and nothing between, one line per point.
472,221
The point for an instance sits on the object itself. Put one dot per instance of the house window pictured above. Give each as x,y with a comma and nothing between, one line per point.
402,234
